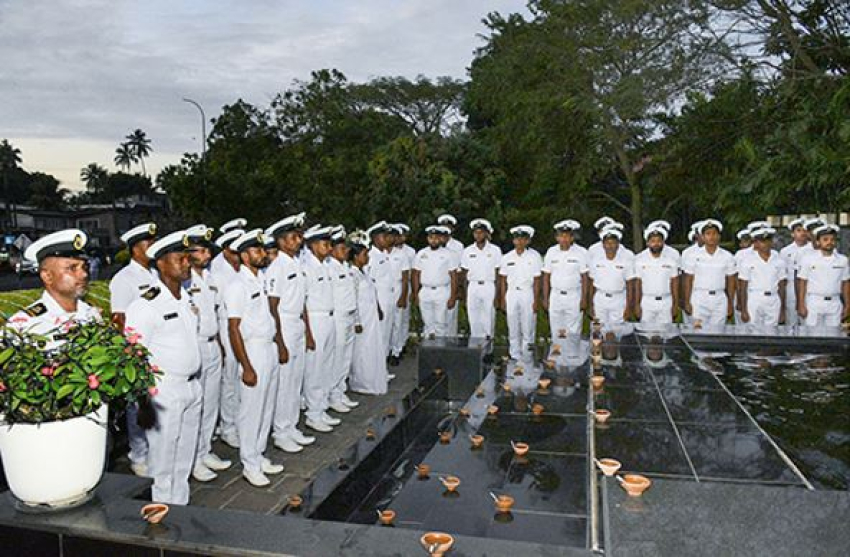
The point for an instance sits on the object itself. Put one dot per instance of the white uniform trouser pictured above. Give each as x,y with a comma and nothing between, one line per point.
564,312
387,301
405,324
397,338
136,437
480,310
257,403
174,439
823,310
791,315
709,308
451,321
319,369
230,389
291,377
522,322
211,385
763,309
656,310
432,307
609,307
343,354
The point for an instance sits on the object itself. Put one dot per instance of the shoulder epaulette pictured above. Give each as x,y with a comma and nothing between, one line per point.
35,309
151,293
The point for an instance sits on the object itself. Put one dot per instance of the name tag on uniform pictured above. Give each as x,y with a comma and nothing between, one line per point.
215,288
342,276
320,279
292,276
168,316
619,267
255,295
572,260
511,264
473,255
144,286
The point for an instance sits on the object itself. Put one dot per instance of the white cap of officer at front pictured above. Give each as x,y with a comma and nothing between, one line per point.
568,225
522,230
659,224
447,219
318,232
799,221
170,243
290,223
602,222
710,223
225,240
763,232
483,224
437,229
251,239
377,228
232,225
140,232
650,230
65,243
743,233
825,229
200,234
609,232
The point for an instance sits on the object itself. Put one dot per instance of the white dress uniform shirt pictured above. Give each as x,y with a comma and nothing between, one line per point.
245,299
565,269
456,248
609,278
205,296
223,275
129,284
824,277
47,318
435,267
791,255
519,271
655,274
763,277
345,319
481,265
319,362
708,297
597,250
169,329
380,269
285,280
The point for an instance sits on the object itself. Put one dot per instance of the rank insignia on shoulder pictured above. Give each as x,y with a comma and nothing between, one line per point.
35,309
152,293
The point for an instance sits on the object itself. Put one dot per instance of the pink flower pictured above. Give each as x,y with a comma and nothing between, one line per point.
139,353
153,391
155,368
2,387
133,338
128,330
47,371
94,382
128,350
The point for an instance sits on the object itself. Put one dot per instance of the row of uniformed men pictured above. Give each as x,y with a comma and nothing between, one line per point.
612,284
275,325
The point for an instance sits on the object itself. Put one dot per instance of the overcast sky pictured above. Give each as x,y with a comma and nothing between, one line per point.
78,75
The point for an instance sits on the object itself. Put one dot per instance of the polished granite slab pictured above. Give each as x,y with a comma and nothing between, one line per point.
710,519
648,448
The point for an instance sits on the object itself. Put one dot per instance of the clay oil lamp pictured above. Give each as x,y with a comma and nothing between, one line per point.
506,388
464,412
537,409
556,349
519,372
386,517
437,543
601,416
438,371
477,441
492,409
423,470
609,466
479,392
506,359
294,502
697,323
520,449
544,383
390,412
370,434
550,364
154,512
504,503
451,483
445,437
597,381
634,484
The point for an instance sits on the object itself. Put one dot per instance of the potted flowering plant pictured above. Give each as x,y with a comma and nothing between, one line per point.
54,397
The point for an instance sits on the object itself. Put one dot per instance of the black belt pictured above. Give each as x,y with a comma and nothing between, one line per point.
209,339
711,292
827,298
768,293
196,375
565,292
659,298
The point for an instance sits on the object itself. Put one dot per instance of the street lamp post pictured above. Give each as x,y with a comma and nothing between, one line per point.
203,149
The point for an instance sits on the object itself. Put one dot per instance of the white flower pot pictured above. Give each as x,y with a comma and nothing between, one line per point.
55,464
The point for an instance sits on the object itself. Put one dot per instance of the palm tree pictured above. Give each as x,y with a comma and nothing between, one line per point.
140,146
124,156
10,158
96,179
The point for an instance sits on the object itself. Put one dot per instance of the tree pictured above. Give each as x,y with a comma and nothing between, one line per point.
10,158
606,68
96,179
140,147
46,192
124,156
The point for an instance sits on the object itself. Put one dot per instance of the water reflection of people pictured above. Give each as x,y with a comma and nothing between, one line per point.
654,355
